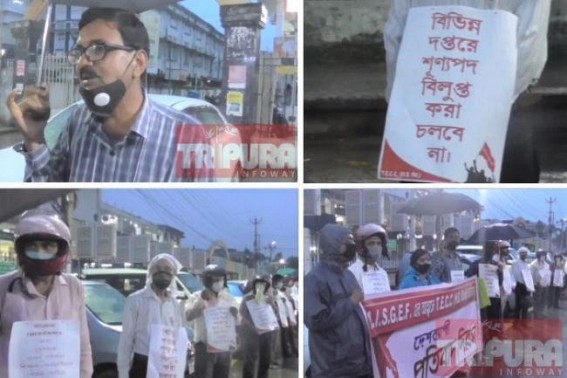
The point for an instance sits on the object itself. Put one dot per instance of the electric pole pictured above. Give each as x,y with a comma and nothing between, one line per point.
256,222
551,219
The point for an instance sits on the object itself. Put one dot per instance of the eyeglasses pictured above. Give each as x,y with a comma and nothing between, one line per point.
94,52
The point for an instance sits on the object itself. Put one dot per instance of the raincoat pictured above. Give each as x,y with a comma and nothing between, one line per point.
339,342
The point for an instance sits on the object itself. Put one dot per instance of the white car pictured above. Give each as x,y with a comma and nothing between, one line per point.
14,164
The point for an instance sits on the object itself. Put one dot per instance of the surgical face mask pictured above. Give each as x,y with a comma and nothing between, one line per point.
279,285
103,99
422,268
496,257
34,255
217,286
375,253
162,280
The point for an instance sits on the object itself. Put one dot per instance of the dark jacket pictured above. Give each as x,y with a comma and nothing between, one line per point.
339,342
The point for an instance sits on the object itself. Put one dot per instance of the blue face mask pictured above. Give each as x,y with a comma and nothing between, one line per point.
39,255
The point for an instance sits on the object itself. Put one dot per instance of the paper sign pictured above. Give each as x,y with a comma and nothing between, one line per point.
507,280
558,278
221,329
237,77
168,352
457,276
373,283
545,277
234,103
528,279
46,348
262,316
452,96
489,273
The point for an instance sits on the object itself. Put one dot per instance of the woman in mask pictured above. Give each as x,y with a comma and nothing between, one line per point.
371,248
156,304
215,294
256,344
39,290
418,273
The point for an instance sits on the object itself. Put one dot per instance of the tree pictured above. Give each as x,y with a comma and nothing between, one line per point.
292,262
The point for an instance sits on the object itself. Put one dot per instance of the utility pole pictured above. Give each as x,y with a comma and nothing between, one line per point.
256,222
551,219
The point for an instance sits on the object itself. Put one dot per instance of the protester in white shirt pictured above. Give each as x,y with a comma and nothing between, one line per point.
215,294
155,304
542,279
372,249
521,291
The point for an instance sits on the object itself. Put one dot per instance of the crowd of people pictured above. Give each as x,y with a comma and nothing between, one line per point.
40,291
350,270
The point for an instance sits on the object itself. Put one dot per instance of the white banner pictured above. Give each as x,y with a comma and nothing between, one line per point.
263,316
558,278
528,279
507,280
221,329
452,96
45,348
168,351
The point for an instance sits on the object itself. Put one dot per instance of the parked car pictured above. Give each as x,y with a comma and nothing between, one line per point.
105,307
13,162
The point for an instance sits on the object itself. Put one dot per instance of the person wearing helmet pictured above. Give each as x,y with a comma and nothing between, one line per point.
214,294
257,346
447,259
541,274
521,293
155,304
371,243
39,290
339,342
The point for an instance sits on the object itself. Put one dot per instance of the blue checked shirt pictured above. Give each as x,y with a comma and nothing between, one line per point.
84,153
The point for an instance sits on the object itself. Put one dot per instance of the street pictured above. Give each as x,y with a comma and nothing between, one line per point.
289,369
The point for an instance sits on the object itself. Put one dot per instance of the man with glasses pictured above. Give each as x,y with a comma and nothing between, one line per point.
119,134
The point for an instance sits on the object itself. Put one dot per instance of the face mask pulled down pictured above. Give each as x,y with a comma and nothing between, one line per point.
102,100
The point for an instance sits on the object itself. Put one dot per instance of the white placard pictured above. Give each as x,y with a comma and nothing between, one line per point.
457,276
45,348
545,277
452,96
489,273
168,352
507,280
221,329
558,278
262,315
528,279
374,283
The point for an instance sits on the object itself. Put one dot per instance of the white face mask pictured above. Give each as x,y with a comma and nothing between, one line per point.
260,292
39,255
217,286
496,257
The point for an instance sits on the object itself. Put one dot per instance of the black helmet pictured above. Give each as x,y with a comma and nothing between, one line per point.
210,272
261,278
277,278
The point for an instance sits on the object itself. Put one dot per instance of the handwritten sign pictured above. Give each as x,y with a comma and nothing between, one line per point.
457,275
374,282
558,277
451,97
262,316
221,329
489,273
528,279
507,280
168,352
46,349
